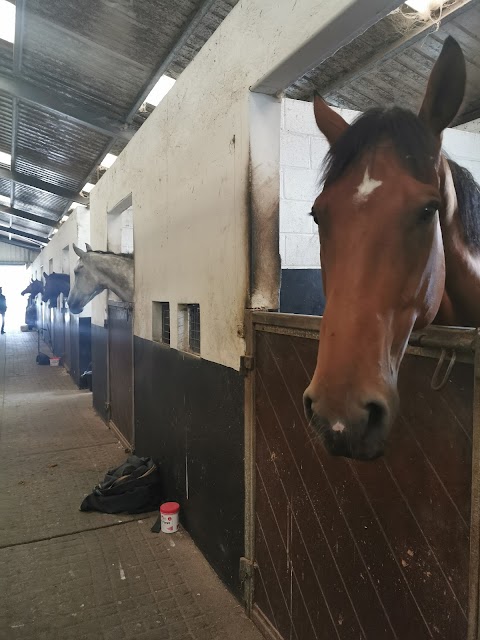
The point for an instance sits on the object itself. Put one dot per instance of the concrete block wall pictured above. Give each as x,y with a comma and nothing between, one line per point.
302,151
464,147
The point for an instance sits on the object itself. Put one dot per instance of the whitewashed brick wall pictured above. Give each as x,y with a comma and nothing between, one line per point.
302,150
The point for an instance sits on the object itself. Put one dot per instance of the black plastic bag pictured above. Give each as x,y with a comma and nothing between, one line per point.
42,358
133,487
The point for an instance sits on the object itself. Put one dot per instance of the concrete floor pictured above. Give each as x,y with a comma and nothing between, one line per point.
67,575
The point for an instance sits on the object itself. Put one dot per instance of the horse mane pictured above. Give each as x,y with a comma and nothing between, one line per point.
468,198
112,253
412,141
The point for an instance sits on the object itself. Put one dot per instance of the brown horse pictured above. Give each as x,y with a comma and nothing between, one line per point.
400,248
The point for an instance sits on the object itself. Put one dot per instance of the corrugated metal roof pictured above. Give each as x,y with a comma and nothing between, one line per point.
94,60
391,62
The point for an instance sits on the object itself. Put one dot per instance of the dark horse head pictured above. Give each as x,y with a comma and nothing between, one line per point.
382,256
34,288
55,284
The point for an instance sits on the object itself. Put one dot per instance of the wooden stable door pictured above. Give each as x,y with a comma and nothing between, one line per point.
120,350
348,550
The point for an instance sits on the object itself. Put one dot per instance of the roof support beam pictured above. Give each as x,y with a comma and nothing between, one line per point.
26,91
18,243
18,213
24,234
28,181
17,67
348,20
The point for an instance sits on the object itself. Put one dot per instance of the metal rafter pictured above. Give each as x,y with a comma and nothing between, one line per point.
29,181
18,243
17,65
26,215
24,234
59,105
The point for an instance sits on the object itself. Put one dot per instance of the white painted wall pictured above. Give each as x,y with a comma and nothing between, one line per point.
302,150
473,126
188,167
74,230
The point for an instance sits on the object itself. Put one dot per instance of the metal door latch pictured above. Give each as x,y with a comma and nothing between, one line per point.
247,363
247,569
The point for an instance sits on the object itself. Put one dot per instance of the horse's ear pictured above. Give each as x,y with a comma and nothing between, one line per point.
78,251
445,89
330,123
89,248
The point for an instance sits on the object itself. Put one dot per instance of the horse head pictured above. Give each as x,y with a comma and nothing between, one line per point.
34,288
382,256
55,284
86,285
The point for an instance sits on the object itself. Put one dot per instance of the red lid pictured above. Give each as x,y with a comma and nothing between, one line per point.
170,507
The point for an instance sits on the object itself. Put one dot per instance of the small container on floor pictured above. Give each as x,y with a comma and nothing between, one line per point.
169,516
54,362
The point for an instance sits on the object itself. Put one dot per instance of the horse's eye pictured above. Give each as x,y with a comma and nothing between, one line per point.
428,212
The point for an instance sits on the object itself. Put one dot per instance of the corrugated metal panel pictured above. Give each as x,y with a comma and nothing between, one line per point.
39,202
11,254
78,68
25,225
6,57
5,123
81,34
54,150
5,187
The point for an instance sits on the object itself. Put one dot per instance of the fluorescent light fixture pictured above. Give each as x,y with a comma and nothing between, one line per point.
160,90
88,187
64,219
5,158
54,232
108,160
424,6
7,21
5,200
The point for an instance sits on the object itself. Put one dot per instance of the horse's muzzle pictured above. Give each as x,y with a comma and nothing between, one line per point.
361,435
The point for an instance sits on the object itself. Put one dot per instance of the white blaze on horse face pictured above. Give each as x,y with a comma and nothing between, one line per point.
338,426
365,188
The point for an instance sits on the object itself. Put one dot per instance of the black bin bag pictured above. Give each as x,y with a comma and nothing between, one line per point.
133,487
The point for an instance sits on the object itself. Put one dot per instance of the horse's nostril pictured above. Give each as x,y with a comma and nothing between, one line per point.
307,404
377,414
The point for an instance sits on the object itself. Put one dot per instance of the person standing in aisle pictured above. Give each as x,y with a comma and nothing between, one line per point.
3,309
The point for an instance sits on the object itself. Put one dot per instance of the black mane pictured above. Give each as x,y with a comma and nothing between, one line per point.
414,144
468,198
